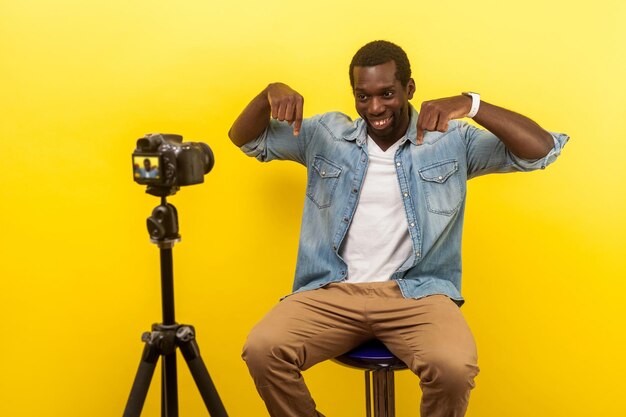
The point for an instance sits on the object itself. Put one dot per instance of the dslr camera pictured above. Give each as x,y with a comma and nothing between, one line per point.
164,163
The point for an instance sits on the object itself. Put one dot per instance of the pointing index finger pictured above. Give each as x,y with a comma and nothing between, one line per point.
420,129
299,111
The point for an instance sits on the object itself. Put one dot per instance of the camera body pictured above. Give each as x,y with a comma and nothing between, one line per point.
164,163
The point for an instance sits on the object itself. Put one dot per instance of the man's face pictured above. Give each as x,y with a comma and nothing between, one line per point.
146,164
382,101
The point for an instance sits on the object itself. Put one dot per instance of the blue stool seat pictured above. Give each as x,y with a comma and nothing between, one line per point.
379,364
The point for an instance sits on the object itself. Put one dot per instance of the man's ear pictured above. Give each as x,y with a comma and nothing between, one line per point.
410,88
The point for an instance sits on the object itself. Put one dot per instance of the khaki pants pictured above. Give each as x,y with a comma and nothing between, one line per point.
429,334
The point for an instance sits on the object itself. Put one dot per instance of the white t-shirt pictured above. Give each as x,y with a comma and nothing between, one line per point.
378,240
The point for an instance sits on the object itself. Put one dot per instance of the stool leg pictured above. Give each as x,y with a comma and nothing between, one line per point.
391,394
384,399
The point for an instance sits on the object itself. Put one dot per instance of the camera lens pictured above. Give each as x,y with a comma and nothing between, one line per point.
209,159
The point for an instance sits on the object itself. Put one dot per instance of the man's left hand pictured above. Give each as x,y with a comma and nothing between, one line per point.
435,114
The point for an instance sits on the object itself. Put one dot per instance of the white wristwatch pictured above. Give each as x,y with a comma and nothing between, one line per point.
475,103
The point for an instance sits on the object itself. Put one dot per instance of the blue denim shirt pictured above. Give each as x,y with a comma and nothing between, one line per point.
432,179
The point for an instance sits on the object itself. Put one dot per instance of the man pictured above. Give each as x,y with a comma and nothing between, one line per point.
380,245
148,171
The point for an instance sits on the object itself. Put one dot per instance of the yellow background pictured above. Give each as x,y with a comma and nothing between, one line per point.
544,264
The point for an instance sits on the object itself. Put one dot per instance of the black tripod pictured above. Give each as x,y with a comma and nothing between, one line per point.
167,336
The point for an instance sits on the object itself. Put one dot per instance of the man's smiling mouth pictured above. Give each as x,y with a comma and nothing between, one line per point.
381,123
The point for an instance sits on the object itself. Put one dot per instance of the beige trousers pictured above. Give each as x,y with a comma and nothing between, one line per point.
429,334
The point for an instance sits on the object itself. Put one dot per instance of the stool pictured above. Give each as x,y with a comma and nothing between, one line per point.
374,358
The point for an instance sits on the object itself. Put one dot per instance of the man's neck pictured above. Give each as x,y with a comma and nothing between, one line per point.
384,144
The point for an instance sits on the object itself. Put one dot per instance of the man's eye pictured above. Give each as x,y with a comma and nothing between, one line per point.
361,97
388,94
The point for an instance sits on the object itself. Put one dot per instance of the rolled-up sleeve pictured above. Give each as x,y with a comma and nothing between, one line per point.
278,142
487,154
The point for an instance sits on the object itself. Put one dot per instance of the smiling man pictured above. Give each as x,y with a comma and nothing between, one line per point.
380,244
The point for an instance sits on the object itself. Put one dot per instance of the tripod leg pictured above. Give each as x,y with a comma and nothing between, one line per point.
141,384
169,392
191,353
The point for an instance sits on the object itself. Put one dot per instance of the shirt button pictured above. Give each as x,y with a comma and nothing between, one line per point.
405,194
354,190
398,164
323,173
412,224
417,254
440,178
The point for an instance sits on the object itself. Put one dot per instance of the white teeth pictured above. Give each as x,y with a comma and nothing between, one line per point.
381,122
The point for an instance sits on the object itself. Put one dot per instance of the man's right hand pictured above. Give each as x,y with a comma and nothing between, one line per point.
286,105
276,101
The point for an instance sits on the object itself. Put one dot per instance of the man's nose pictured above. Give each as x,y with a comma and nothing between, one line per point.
376,106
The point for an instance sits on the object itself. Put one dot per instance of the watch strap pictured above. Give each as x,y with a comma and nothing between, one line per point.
475,103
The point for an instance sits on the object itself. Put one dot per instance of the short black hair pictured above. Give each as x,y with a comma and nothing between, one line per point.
381,52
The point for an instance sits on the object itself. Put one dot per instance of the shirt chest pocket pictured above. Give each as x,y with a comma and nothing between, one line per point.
442,187
323,179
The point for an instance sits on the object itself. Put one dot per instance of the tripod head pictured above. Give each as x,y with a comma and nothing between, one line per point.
163,225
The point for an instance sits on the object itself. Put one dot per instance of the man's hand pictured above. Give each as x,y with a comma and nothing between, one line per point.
520,135
286,105
435,114
278,101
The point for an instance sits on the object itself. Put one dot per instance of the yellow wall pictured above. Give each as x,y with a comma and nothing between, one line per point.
81,81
